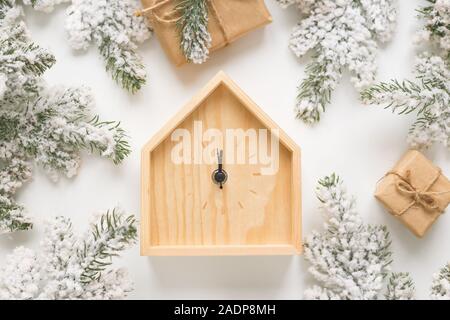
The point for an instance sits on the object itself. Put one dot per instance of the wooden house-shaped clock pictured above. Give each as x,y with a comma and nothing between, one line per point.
221,178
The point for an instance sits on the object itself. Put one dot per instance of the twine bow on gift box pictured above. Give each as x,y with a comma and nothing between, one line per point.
163,2
425,198
140,13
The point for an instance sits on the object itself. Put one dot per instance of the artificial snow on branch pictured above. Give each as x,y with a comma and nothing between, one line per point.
341,34
44,5
47,126
429,95
440,288
349,259
400,287
193,25
21,61
69,266
437,24
114,28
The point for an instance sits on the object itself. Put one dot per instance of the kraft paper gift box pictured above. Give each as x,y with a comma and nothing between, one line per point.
415,191
228,21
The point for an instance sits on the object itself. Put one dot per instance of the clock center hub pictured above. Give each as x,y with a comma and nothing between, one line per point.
219,175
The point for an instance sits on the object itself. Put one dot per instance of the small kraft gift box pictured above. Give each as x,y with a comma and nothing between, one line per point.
415,191
228,21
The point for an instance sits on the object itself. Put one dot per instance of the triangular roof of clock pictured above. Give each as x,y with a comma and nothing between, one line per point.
174,221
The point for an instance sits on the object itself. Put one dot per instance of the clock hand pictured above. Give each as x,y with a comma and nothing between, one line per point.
220,160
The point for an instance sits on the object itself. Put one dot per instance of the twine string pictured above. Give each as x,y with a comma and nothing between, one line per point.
147,10
425,198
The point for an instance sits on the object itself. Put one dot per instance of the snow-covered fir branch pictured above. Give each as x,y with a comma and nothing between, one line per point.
193,25
21,60
400,287
303,5
341,34
437,25
70,266
44,5
429,95
114,28
440,288
47,126
349,259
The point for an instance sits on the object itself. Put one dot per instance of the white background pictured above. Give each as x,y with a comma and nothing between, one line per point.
359,142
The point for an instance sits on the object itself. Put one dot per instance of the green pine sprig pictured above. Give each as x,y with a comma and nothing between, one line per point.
400,287
439,287
408,87
112,234
122,148
127,74
7,208
313,89
193,29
